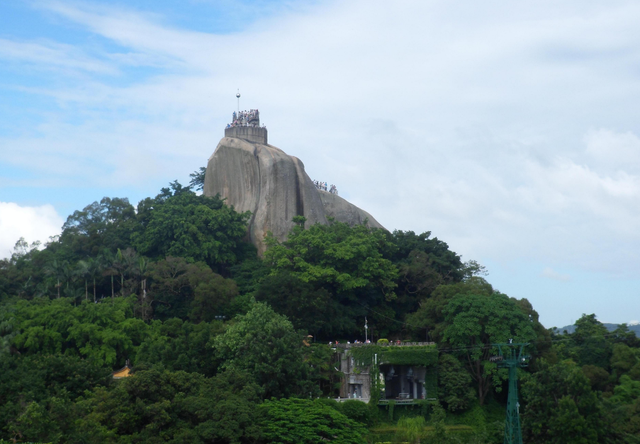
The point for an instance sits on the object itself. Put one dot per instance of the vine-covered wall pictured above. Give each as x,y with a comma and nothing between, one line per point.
424,355
372,356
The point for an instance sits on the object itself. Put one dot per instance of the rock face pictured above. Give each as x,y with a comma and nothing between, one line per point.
274,186
343,211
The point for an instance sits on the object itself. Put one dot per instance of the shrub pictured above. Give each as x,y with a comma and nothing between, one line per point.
358,411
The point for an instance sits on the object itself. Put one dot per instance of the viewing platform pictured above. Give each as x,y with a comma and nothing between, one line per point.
246,125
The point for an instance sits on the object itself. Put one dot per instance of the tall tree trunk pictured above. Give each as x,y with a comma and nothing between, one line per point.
112,290
86,290
58,288
94,289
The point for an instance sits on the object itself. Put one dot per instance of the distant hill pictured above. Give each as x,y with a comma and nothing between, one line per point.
572,328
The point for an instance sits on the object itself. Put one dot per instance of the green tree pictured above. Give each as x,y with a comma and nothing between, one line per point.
454,383
306,306
624,409
424,263
156,406
212,297
430,315
105,333
562,408
178,345
56,269
443,261
590,340
197,179
37,394
336,255
348,264
474,322
266,345
438,416
188,290
304,421
623,358
597,376
198,228
82,269
105,224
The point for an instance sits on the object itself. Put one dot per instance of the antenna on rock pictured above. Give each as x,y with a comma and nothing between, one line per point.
238,96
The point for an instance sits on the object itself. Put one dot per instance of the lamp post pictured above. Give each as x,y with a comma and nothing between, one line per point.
366,330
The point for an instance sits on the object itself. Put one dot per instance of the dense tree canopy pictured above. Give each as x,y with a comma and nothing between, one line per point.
230,347
302,421
562,408
474,323
266,345
337,256
198,228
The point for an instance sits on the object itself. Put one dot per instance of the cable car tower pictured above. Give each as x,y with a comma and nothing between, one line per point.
512,356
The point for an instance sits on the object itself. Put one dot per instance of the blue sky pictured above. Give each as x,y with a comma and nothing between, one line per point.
509,131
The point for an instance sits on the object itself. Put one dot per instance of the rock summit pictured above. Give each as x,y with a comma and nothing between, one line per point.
257,177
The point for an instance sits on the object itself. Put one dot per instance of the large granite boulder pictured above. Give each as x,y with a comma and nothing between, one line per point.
274,186
343,211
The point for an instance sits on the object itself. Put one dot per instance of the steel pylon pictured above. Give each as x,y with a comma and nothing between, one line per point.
512,356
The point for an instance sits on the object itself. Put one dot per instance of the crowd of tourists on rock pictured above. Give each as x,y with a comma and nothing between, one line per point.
323,186
245,118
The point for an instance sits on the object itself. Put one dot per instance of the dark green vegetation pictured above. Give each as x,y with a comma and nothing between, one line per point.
230,348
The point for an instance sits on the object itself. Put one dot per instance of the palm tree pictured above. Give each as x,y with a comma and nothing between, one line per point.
107,260
82,269
140,272
96,266
56,269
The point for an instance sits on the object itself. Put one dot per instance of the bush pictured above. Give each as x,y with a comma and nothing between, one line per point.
358,411
383,341
305,421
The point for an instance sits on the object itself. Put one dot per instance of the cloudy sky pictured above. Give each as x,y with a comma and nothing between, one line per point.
509,130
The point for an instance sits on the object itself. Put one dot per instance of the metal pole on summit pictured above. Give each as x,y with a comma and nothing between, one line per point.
238,96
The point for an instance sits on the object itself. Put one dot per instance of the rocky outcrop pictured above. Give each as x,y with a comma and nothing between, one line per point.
343,211
274,186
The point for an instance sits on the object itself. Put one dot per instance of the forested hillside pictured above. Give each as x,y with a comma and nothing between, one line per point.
227,347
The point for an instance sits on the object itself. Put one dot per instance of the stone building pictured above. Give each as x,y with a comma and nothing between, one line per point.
402,372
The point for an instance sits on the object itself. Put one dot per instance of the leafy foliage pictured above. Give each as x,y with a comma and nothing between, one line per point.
342,257
37,392
454,384
265,344
159,406
474,322
562,408
172,286
303,421
105,333
198,228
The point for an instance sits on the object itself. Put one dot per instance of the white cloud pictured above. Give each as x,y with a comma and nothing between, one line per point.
549,273
52,55
31,223
614,151
509,131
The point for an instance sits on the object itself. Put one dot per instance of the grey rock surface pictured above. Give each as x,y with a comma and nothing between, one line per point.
274,186
344,211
